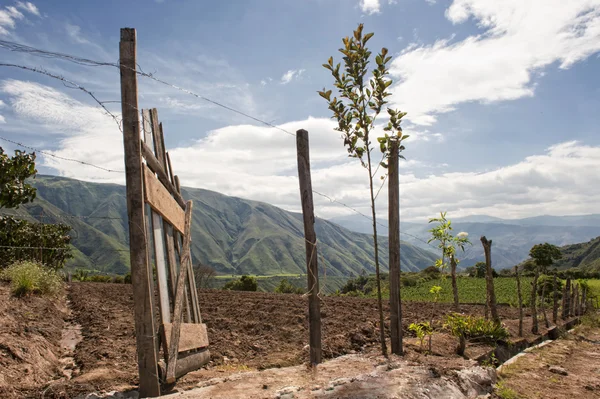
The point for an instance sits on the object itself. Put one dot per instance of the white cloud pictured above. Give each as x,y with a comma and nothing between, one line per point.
74,32
369,6
2,119
29,7
518,38
260,163
2,104
291,75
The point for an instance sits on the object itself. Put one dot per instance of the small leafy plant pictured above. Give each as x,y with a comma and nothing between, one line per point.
466,327
421,330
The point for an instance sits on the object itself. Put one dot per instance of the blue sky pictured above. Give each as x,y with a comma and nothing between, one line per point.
502,97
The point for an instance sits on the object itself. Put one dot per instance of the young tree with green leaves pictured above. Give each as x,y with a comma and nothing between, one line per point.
361,98
543,256
442,233
13,173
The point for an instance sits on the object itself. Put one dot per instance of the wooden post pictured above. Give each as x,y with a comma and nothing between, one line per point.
520,298
141,275
306,197
394,248
566,299
572,300
576,301
555,300
584,300
489,279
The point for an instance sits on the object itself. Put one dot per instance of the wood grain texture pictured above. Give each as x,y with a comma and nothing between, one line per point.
394,248
141,275
154,165
186,363
162,202
179,295
191,336
161,268
306,197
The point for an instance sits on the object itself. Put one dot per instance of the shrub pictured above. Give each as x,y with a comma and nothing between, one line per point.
244,283
421,330
285,287
118,279
32,278
80,275
127,279
100,278
546,285
18,236
475,328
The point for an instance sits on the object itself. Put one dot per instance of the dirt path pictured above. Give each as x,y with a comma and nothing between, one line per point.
563,369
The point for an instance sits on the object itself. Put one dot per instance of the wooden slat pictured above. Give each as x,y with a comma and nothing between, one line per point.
186,363
159,151
141,273
179,296
161,201
161,270
171,257
194,293
154,165
191,336
170,169
147,126
161,137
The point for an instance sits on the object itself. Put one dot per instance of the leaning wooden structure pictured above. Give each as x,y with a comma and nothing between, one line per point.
170,336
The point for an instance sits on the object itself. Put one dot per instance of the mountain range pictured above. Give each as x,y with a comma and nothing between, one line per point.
233,235
512,238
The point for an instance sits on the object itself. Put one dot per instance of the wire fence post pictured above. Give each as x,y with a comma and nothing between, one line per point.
141,275
312,269
394,248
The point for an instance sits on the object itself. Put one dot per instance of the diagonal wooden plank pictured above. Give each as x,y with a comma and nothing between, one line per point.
179,296
147,126
161,201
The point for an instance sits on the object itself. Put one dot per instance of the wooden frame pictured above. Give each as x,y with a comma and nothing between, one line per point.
150,180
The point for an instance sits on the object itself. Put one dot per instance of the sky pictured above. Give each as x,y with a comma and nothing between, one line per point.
502,97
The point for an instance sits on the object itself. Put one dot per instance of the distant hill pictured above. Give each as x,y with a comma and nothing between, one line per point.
231,234
512,239
584,256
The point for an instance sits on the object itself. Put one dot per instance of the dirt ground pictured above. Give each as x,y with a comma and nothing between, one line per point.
30,350
247,332
530,376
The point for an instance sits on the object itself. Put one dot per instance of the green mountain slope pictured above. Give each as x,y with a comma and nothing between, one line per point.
512,239
231,234
584,256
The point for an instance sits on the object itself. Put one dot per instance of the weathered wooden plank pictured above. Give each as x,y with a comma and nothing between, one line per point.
159,151
186,363
394,248
147,126
154,165
170,169
314,306
141,274
192,336
171,257
179,295
161,201
161,270
194,294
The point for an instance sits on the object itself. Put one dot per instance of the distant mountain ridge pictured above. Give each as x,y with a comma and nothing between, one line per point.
231,234
512,238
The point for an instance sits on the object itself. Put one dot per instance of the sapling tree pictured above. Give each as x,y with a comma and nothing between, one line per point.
543,255
360,100
442,233
13,173
435,291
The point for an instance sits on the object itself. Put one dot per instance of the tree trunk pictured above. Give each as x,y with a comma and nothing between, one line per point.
534,318
489,279
584,300
572,300
520,297
454,284
379,301
555,300
543,306
566,299
462,345
576,301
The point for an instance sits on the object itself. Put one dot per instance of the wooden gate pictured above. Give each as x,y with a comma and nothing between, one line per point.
167,312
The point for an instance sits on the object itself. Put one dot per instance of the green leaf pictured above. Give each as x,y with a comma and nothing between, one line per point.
367,37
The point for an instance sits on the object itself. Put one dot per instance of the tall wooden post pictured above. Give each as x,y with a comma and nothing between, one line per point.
394,244
566,299
555,300
141,275
306,196
489,279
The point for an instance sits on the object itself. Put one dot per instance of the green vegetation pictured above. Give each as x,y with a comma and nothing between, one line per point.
28,278
581,258
505,392
244,283
14,191
421,330
285,287
472,328
232,235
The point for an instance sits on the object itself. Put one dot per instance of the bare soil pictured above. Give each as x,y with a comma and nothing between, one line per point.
30,347
247,332
530,375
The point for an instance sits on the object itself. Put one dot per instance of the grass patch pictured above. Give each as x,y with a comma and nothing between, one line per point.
505,392
28,278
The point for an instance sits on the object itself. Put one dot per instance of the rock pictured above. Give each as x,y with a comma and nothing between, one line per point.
476,381
557,370
286,392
